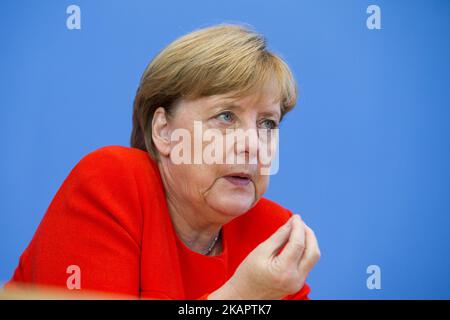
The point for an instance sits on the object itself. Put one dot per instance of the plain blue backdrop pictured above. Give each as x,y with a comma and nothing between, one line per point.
364,157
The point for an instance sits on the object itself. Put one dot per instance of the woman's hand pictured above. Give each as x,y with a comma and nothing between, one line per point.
267,273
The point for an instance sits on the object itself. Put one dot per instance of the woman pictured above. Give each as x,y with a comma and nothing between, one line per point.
139,222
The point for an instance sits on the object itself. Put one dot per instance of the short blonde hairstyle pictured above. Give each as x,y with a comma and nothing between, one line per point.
222,59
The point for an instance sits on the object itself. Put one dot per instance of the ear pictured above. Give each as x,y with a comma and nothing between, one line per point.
161,132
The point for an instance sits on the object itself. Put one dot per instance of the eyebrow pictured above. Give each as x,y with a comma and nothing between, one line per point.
227,105
234,106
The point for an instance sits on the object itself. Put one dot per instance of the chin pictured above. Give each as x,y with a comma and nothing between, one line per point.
231,200
233,206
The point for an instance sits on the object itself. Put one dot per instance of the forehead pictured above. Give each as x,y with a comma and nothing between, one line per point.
267,95
261,101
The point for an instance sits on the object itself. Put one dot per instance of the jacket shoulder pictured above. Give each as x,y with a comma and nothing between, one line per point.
270,212
260,222
115,153
115,162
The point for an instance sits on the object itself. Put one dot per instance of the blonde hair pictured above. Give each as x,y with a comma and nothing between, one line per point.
222,59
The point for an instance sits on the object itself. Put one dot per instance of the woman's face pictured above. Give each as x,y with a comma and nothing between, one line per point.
232,180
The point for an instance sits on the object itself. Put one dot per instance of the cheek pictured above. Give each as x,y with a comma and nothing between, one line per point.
197,178
261,184
186,181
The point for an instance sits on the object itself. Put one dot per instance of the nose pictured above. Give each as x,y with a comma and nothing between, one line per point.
246,143
253,146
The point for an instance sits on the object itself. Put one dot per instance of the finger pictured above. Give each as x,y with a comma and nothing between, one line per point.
293,251
277,239
312,252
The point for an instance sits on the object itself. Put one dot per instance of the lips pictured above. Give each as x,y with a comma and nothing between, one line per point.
239,179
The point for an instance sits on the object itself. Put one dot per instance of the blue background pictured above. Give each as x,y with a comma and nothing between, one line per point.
364,157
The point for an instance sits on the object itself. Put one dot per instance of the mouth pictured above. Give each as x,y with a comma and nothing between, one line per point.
239,179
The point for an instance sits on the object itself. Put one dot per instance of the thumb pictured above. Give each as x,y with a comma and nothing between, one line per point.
278,239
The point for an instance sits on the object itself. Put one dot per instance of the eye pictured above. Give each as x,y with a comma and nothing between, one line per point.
226,116
269,124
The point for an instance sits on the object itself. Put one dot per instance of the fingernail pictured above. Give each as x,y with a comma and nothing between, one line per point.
292,219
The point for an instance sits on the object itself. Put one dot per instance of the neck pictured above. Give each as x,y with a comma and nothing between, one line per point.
197,236
193,228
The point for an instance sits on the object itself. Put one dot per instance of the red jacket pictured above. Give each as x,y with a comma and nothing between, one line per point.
110,219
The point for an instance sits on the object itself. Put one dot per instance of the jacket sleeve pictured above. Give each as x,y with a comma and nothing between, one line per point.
304,291
89,238
301,295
